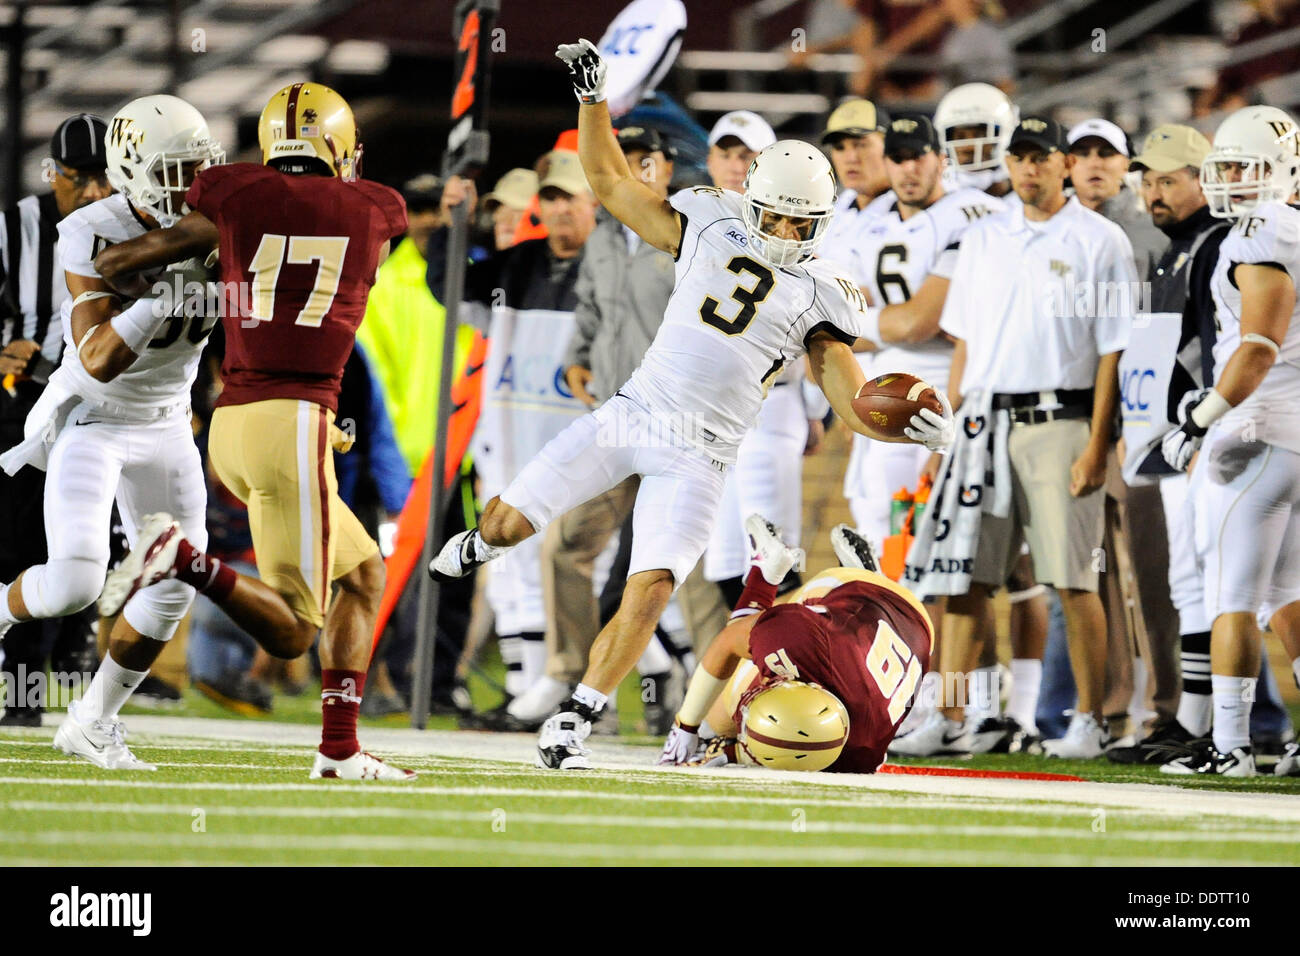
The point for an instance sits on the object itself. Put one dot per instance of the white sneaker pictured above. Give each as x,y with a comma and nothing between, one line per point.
1288,765
542,698
852,549
456,558
1084,739
1208,760
768,552
559,746
981,734
360,766
102,742
938,735
150,561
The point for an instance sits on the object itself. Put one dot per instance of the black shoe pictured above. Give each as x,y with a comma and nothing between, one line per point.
156,693
1166,742
21,717
1205,759
238,692
381,705
499,720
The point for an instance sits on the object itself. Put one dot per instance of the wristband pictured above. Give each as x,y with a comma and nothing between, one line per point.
1264,340
700,695
138,324
1208,410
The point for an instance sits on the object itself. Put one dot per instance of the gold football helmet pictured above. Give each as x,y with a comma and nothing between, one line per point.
794,725
311,121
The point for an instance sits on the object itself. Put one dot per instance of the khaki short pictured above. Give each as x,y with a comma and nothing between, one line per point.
1064,532
276,456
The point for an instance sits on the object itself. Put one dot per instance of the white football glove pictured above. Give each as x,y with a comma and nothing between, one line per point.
936,432
586,70
1180,445
679,747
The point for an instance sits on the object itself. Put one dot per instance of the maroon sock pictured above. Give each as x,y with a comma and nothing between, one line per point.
757,596
340,694
206,574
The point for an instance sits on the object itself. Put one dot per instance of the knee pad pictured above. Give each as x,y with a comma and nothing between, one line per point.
156,611
62,587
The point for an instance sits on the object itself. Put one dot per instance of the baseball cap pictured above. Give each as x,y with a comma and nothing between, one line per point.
1102,129
750,128
79,142
912,131
854,118
1039,131
515,189
565,173
1172,146
423,191
643,137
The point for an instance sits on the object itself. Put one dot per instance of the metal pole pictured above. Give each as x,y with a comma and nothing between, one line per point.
14,103
426,627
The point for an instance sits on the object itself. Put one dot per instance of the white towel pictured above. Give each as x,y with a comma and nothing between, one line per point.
974,479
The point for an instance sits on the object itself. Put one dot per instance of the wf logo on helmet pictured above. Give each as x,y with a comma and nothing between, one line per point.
124,129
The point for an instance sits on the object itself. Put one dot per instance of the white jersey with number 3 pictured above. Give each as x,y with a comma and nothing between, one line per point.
732,324
163,374
1270,234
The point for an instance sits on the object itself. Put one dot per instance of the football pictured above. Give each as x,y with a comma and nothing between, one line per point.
887,403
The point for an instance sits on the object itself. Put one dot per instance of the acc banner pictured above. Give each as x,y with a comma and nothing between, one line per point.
1146,367
639,47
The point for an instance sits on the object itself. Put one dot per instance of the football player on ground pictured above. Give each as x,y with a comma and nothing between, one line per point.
310,234
820,683
749,299
114,421
1246,479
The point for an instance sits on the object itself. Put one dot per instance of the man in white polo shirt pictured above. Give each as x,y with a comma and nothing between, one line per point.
1039,308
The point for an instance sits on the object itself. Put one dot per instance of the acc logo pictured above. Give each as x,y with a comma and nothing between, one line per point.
793,200
737,237
1131,389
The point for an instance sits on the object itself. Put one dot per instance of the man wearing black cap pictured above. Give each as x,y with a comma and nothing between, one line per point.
1040,308
32,291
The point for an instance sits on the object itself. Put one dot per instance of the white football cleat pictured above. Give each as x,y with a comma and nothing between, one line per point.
1084,739
937,735
768,552
102,742
150,561
559,745
852,549
360,766
1208,760
1288,765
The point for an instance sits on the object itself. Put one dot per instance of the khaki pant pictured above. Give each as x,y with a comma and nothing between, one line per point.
1158,641
570,547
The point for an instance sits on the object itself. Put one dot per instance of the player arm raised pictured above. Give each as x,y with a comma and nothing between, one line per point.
193,236
628,200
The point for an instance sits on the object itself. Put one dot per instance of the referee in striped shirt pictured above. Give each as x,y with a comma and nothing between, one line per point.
32,290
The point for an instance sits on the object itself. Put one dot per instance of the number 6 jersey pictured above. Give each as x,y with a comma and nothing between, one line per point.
732,323
298,258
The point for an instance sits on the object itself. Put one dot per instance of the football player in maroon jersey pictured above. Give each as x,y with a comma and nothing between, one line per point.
299,238
821,682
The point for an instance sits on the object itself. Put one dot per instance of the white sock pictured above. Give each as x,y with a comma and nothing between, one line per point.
512,655
111,687
1137,703
1195,711
484,551
655,660
983,700
6,616
1026,679
534,656
1295,670
1233,697
590,697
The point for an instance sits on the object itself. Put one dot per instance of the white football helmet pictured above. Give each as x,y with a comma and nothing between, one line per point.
149,142
788,178
1262,144
976,104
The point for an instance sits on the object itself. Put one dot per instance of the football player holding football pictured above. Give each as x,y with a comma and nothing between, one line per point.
819,683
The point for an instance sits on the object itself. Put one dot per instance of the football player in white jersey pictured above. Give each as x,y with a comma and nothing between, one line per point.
749,299
975,122
114,421
1246,479
855,137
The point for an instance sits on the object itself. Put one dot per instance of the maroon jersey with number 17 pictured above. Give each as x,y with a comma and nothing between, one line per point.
867,642
298,258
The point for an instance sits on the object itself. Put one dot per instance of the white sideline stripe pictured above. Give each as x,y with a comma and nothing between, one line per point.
673,823
71,761
78,840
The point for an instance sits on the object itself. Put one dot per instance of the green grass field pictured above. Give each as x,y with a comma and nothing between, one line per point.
235,792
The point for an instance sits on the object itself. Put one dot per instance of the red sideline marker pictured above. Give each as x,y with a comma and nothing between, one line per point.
981,774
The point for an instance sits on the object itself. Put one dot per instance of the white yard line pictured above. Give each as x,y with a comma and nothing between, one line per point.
627,853
486,818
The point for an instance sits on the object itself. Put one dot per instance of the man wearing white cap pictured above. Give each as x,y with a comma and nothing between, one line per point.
736,138
1101,158
507,202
